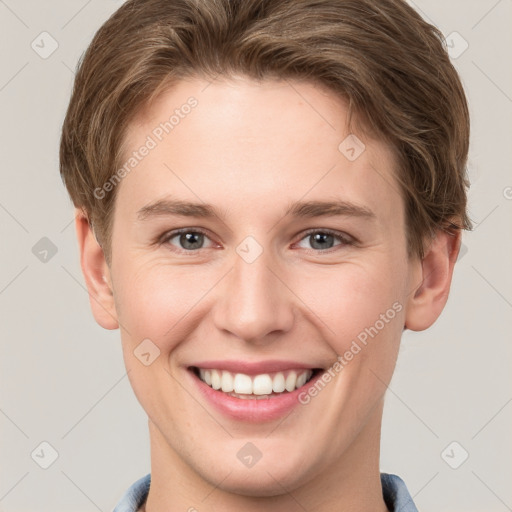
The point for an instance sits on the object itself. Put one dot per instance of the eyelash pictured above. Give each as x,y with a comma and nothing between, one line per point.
345,240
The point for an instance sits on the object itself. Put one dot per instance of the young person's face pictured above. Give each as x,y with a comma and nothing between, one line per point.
259,286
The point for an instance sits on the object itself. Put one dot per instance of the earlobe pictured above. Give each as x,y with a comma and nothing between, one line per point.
428,297
96,273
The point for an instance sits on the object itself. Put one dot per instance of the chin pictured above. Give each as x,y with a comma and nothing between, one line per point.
258,484
265,479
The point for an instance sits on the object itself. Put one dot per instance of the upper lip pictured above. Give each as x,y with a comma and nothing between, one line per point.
255,367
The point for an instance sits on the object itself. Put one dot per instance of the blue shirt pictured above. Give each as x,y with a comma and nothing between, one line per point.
396,495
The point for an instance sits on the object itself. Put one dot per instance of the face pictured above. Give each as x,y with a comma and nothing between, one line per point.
293,259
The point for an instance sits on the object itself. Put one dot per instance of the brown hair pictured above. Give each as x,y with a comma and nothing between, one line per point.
380,56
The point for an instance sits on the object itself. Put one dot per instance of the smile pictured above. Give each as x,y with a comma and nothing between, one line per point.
262,386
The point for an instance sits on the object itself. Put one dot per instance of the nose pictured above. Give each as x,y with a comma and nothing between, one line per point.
254,303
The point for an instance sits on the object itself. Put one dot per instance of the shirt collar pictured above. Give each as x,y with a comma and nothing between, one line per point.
394,490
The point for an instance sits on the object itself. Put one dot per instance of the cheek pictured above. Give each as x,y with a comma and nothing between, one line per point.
156,300
165,302
356,302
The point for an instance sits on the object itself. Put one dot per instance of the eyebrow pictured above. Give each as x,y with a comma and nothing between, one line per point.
299,209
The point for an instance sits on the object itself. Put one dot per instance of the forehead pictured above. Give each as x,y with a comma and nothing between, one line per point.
240,143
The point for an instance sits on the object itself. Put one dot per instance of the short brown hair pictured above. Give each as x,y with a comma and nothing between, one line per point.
380,56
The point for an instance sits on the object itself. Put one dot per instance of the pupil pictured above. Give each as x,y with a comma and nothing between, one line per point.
194,240
191,240
320,238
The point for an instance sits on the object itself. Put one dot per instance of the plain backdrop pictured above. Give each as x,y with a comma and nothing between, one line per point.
62,377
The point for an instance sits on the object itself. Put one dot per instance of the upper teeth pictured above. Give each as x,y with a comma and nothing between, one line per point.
263,384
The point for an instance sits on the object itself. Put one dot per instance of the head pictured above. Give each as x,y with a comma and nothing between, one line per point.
257,111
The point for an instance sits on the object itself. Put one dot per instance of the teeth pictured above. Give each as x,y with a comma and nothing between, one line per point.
301,380
242,383
291,380
264,384
227,382
278,383
216,384
261,385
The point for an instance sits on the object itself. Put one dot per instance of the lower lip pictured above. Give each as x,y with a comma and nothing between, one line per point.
252,410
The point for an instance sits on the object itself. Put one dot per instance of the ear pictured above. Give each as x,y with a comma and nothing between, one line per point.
428,297
96,273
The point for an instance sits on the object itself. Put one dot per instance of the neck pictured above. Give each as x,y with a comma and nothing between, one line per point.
351,483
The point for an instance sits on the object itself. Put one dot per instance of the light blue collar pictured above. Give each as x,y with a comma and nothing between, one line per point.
394,490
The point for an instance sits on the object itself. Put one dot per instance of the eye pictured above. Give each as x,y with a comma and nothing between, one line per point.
323,239
188,240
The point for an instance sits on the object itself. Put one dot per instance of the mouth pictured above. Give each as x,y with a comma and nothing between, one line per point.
262,386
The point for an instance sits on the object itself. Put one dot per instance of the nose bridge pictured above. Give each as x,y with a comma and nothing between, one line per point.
254,302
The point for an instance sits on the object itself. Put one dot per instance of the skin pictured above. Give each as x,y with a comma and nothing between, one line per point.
249,149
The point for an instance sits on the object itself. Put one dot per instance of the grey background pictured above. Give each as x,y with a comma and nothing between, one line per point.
62,378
